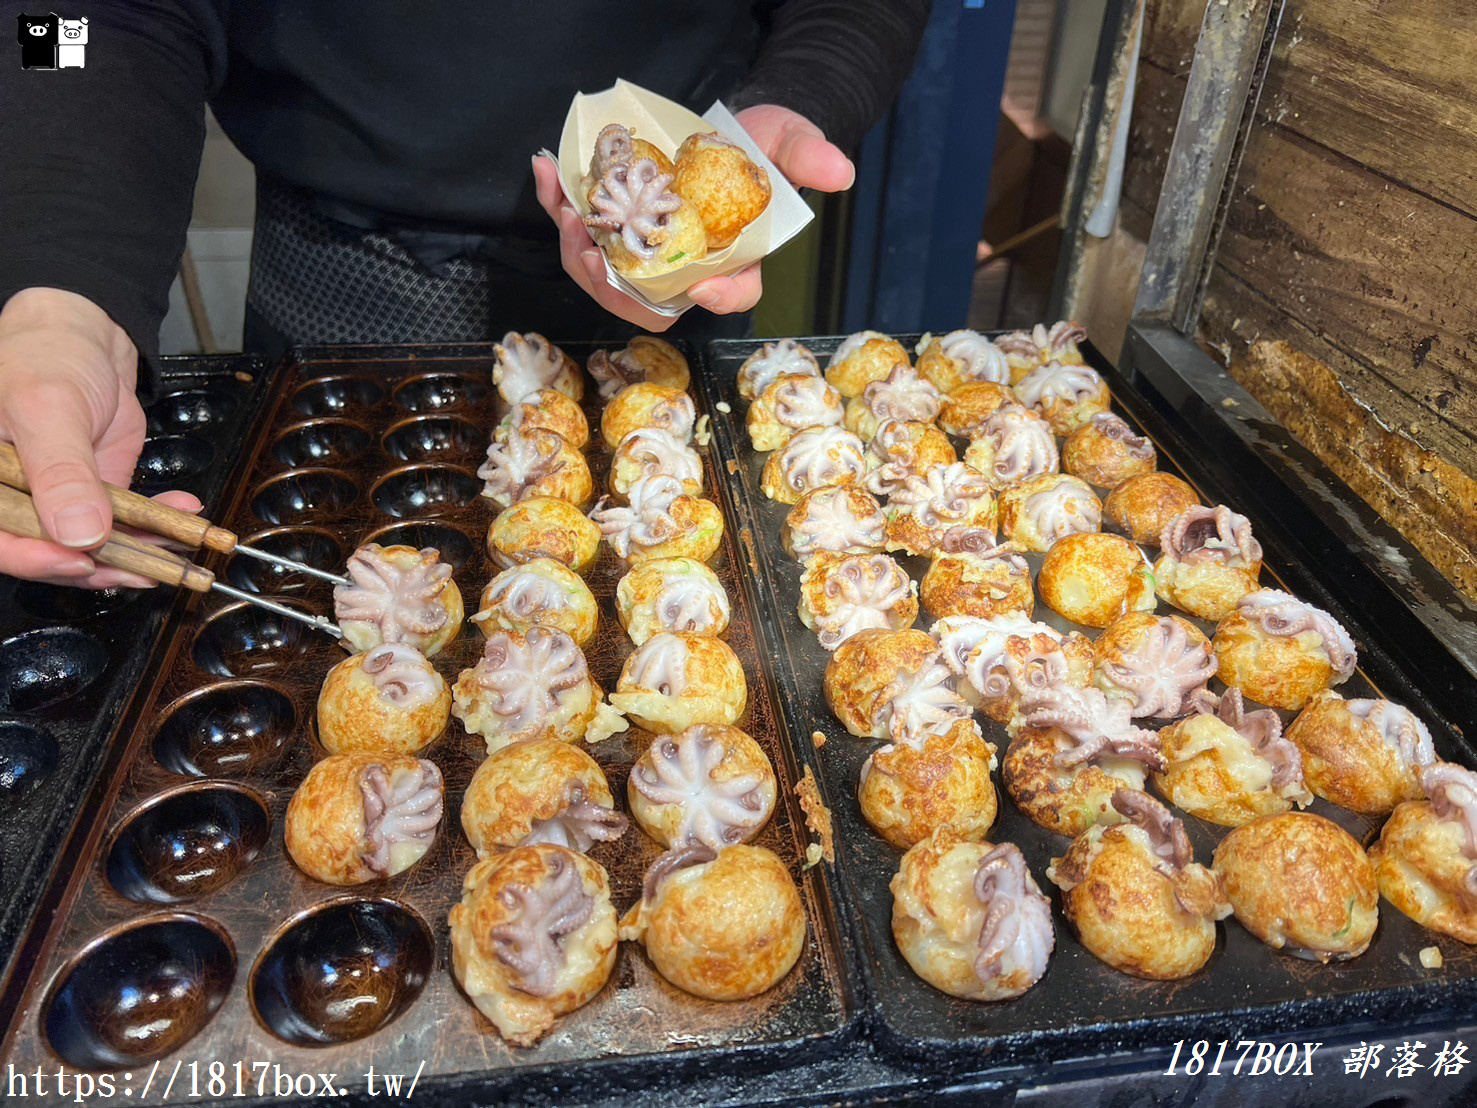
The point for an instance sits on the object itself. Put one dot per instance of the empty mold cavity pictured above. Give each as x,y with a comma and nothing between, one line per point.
436,392
434,438
72,604
454,546
169,460
423,490
226,730
341,972
243,640
312,546
45,667
139,992
304,496
28,755
190,410
187,843
333,396
321,442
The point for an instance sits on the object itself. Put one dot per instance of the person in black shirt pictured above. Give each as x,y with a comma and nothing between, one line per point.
395,200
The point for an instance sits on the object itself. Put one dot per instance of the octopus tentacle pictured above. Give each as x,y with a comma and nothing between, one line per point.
402,675
1201,534
659,664
678,858
942,497
1017,915
863,590
1097,726
526,676
403,602
923,704
1452,791
902,395
1286,616
1164,671
579,823
981,359
1401,730
399,807
532,944
646,520
1112,426
831,523
634,200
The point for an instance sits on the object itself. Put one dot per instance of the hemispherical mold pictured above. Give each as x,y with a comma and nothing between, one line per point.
422,490
187,843
168,461
333,396
72,604
341,971
435,392
431,438
225,730
454,546
190,410
321,442
139,992
28,755
312,546
244,640
304,496
45,667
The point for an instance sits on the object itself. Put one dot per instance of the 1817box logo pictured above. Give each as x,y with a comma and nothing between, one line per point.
51,42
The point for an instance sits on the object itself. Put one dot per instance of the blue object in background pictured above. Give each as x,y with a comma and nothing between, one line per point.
923,176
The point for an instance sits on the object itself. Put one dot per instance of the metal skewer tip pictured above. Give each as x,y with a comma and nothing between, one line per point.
296,567
322,623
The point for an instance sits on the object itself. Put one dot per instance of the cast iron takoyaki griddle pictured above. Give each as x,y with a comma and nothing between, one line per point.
70,659
1082,1008
184,893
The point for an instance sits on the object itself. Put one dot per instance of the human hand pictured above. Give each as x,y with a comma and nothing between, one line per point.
67,376
797,148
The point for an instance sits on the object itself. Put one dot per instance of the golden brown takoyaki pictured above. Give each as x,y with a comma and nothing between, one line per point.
787,404
892,683
645,405
527,363
719,179
1157,663
1025,350
971,575
539,791
710,785
841,594
772,361
862,358
398,594
1426,857
1094,578
644,358
963,411
1364,755
675,680
1006,659
1065,394
908,790
546,410
962,358
903,448
646,228
543,527
1039,512
671,594
902,395
650,452
541,591
660,520
388,700
1208,561
1011,446
926,505
813,458
1280,650
1143,506
841,519
1105,452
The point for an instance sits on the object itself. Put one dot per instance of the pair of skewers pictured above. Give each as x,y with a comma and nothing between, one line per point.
124,551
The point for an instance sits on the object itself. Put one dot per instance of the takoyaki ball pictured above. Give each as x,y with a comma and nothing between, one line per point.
527,363
1136,896
1038,513
719,179
1280,650
1074,751
841,519
962,358
533,938
1143,506
541,591
970,575
862,358
1006,659
644,358
644,405
864,673
398,594
1364,755
969,918
671,594
813,458
924,506
1426,857
361,817
1012,445
543,527
772,361
1064,394
903,395
907,791
531,685
1025,350
539,791
614,145
1105,452
1093,579
963,411
535,462
648,452
904,448
1159,664
841,594
1229,766
1209,561
660,520
789,403
675,680
725,927
710,785
646,229
546,410
388,700
1302,883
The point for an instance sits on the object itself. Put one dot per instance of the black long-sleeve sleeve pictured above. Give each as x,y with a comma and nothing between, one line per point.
98,163
839,63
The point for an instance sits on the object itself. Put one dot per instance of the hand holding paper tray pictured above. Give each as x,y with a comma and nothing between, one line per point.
667,124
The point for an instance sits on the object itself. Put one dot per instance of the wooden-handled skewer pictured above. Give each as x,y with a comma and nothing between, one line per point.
159,519
18,516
